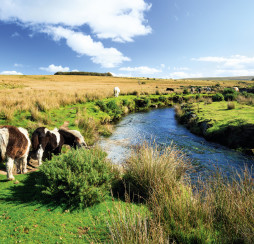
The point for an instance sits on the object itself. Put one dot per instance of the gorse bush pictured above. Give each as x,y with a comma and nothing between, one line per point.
217,97
229,94
78,178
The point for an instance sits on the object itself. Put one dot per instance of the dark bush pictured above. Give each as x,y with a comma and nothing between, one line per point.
217,97
142,102
229,94
185,91
162,99
78,178
84,73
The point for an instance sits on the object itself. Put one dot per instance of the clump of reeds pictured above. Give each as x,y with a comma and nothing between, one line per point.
127,226
231,105
218,210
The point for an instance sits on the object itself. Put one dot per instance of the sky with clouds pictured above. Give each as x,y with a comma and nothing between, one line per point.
142,38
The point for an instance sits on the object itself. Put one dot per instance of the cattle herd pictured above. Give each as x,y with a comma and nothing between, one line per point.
15,145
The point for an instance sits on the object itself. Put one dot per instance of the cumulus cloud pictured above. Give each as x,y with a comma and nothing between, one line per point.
234,61
13,72
144,70
84,45
120,20
53,68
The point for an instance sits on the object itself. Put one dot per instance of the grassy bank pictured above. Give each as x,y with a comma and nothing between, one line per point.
229,123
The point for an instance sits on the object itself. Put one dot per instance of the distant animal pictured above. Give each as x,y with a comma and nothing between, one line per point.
116,91
208,89
169,89
236,89
46,142
14,147
192,90
199,90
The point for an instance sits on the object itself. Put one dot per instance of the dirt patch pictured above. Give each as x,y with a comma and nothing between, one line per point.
31,166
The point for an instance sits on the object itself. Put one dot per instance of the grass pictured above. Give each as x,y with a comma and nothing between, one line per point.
220,116
25,216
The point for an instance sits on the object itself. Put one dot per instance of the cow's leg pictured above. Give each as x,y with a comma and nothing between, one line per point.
18,164
9,168
23,162
40,154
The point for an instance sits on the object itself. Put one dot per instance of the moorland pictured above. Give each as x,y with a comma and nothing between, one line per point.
151,199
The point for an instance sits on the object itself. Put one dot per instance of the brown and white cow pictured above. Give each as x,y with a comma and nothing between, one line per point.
46,142
14,147
73,138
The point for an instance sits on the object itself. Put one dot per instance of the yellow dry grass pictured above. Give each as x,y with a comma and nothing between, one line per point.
28,92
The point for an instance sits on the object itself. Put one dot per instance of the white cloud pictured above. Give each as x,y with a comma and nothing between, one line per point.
234,61
182,74
84,45
18,65
13,72
53,68
235,72
120,20
181,68
144,70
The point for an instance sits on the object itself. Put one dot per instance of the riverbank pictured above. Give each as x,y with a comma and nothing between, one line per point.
232,127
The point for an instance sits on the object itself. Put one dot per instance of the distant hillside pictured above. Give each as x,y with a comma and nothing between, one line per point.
223,78
83,73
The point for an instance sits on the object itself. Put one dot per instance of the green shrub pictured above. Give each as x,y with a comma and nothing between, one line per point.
126,102
185,91
142,102
115,110
101,105
217,97
76,178
229,94
162,99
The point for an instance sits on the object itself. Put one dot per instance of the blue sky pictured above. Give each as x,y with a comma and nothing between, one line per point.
155,38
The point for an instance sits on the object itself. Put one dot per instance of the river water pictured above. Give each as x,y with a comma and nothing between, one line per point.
160,125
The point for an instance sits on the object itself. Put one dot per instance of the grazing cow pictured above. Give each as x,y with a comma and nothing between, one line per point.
192,90
169,89
72,138
116,91
208,89
236,89
14,146
46,141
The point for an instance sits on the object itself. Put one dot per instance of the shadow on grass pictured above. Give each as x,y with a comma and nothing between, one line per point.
28,193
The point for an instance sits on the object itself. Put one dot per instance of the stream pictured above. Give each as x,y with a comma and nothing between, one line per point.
160,125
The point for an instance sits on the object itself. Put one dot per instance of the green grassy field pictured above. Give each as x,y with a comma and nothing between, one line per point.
26,216
220,116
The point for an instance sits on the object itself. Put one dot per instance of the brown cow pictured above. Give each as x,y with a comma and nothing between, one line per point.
14,147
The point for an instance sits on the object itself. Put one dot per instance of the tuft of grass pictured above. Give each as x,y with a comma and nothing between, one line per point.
231,105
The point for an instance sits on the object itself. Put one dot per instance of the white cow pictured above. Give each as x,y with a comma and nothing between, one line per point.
236,89
116,91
